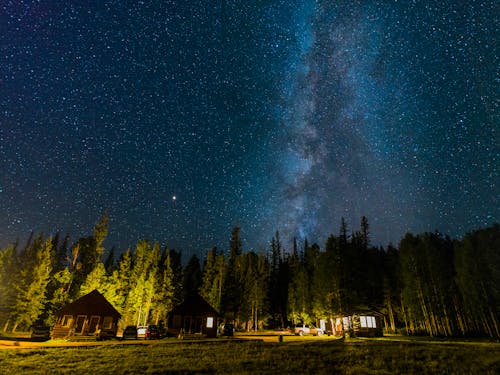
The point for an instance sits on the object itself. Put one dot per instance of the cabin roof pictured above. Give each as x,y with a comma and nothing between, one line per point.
194,305
93,303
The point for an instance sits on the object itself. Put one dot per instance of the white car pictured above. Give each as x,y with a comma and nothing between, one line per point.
308,330
141,331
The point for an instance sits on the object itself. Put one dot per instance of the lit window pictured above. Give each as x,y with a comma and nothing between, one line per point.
367,322
210,322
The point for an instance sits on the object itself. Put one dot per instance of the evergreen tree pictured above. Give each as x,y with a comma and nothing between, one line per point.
478,277
278,284
96,280
176,264
7,282
391,288
35,270
298,290
212,279
164,297
192,278
119,286
365,233
109,263
152,282
254,289
233,289
90,250
142,282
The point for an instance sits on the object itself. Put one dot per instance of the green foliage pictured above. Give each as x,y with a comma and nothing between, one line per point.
7,281
428,285
212,279
143,283
96,280
477,260
35,265
163,300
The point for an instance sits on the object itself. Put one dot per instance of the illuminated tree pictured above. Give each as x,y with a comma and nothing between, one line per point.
119,285
7,280
96,280
163,300
34,269
212,279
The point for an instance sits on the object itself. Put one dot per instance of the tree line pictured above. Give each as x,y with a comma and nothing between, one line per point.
429,284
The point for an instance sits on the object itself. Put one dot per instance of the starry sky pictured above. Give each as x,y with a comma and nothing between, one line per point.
269,115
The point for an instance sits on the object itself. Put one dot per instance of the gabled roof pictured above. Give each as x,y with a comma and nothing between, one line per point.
93,303
194,305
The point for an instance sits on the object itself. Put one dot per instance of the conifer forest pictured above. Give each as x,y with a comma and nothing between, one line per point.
429,284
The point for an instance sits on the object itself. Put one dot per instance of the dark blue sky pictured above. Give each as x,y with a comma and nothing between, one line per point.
270,115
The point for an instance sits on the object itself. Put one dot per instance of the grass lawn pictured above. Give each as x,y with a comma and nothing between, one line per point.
319,355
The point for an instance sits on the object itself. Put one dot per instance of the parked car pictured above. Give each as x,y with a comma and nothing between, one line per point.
152,332
225,329
40,333
141,331
308,330
129,333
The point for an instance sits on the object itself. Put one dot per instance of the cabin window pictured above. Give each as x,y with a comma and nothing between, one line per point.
346,322
107,323
210,322
367,322
66,320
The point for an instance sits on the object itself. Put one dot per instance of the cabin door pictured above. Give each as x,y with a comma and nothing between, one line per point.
80,324
94,321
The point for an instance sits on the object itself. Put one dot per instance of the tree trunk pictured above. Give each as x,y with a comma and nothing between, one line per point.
392,322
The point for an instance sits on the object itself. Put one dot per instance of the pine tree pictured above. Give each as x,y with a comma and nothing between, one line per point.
232,289
119,286
278,283
7,282
135,310
477,277
109,263
164,297
298,291
96,280
37,263
213,274
365,233
192,278
254,289
88,255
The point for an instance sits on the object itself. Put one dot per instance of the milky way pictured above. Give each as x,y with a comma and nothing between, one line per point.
270,115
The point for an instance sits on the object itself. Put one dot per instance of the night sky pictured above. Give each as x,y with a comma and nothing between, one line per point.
269,115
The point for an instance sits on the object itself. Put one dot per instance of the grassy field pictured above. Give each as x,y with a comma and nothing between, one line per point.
299,356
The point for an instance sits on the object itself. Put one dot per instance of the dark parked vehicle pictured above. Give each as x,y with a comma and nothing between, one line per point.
130,333
225,329
152,332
